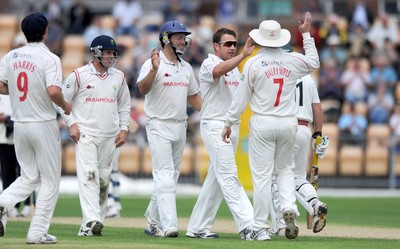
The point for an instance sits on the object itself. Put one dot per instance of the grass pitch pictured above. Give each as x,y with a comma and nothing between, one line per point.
345,212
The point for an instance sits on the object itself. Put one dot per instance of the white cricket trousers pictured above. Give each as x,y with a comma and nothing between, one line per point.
93,169
38,149
304,190
221,182
271,150
167,140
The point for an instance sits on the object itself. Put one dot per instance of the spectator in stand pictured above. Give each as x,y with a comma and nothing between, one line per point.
95,29
330,86
382,29
356,80
80,17
359,45
55,36
382,73
352,127
128,14
360,14
380,105
334,26
334,49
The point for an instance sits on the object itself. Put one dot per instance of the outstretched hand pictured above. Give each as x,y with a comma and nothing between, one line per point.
305,26
155,58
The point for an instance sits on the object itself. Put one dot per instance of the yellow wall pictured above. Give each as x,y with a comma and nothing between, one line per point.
242,158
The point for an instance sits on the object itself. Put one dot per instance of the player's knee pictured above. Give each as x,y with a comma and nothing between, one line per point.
167,186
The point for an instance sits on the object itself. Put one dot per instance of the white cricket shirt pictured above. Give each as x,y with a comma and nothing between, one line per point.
269,81
101,104
29,71
167,98
216,93
306,95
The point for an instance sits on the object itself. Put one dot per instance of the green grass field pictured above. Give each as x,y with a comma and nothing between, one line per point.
364,212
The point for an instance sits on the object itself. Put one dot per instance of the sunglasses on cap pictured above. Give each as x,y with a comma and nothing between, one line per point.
228,44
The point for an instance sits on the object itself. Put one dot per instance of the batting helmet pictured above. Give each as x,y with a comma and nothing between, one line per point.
102,42
169,28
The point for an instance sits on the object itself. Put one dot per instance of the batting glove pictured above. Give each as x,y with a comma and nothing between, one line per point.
321,148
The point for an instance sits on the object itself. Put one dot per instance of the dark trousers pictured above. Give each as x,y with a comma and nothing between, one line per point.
10,169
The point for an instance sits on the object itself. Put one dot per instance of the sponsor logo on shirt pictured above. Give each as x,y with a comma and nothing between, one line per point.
178,84
242,77
101,100
89,87
264,63
21,55
231,83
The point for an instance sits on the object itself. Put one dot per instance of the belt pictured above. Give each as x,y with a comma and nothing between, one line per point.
302,122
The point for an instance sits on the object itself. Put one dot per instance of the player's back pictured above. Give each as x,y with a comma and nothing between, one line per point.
272,76
29,70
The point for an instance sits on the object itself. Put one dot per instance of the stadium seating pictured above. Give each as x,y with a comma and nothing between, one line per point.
376,160
351,160
8,30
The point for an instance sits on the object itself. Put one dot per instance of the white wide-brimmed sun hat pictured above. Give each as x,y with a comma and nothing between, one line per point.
270,34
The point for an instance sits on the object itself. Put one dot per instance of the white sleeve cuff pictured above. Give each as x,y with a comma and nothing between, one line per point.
228,123
306,35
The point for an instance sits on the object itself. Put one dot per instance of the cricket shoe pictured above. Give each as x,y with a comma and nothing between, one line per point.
320,211
112,212
203,235
13,213
261,234
281,232
45,239
154,230
26,211
92,228
171,233
291,230
3,220
243,234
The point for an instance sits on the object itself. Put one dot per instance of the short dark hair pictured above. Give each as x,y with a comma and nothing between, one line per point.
34,27
222,31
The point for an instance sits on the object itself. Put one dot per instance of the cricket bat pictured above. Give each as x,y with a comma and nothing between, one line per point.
314,179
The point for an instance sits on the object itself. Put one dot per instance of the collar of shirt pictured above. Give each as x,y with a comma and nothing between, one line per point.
94,71
37,44
215,58
166,61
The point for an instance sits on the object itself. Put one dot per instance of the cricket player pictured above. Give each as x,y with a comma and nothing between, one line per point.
168,83
269,82
309,112
219,79
32,76
98,124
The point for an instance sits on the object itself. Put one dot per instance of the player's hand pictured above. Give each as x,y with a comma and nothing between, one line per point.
305,26
226,135
155,58
120,139
3,117
321,148
74,132
248,47
67,108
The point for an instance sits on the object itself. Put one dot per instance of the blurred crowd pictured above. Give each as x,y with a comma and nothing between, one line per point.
358,80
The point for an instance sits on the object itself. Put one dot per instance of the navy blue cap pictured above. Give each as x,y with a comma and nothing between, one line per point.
34,23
